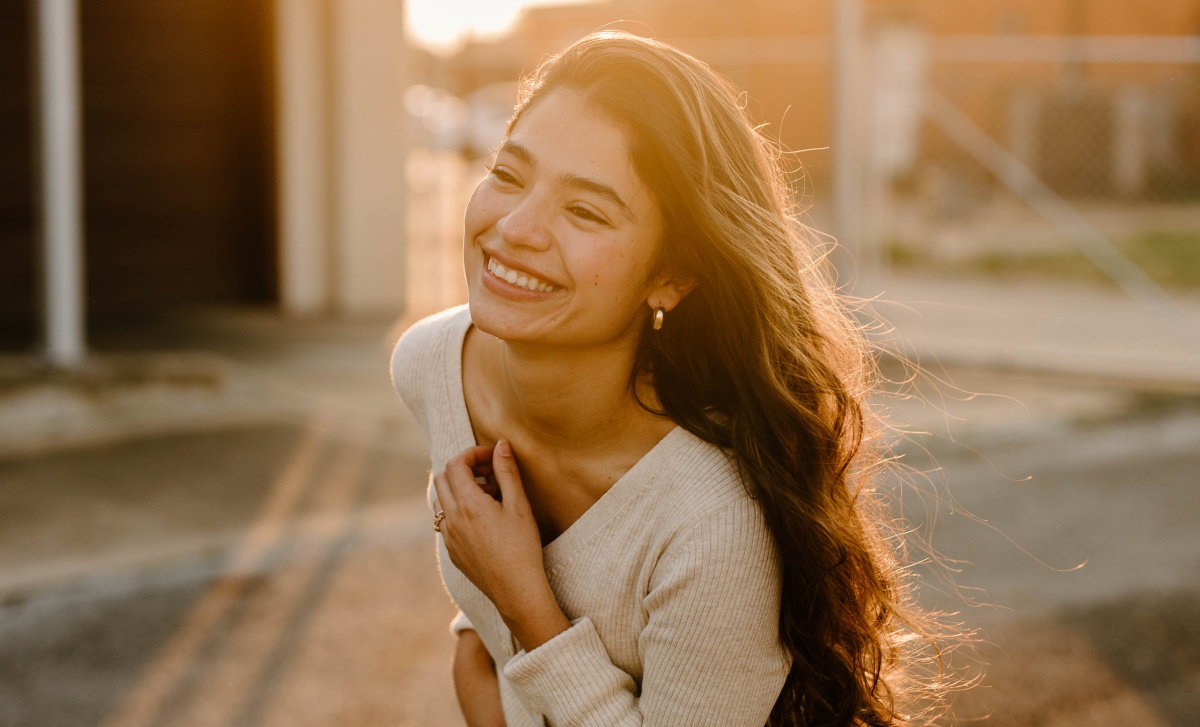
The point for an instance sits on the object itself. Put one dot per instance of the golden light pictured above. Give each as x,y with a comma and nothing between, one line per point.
442,24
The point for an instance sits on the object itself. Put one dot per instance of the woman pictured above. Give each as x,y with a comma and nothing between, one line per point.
646,428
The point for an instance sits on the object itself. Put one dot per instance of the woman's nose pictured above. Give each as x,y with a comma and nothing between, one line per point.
527,224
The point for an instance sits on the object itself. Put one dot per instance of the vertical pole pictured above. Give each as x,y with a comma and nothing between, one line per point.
306,186
56,64
368,144
847,204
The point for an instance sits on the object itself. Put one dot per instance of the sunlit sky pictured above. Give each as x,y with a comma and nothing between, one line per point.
440,24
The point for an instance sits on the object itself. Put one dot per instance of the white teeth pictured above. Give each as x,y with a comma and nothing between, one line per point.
519,279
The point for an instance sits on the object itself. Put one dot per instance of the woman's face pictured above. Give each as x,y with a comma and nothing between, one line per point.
561,236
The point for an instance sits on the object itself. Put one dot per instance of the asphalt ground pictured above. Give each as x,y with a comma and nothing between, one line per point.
1076,557
282,573
223,522
255,575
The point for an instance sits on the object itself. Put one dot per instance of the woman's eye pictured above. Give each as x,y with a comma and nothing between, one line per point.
587,214
502,174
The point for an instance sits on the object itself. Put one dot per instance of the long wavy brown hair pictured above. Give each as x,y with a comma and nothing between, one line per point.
763,360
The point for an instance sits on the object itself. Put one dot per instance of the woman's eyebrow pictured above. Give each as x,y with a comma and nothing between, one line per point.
526,157
520,152
601,189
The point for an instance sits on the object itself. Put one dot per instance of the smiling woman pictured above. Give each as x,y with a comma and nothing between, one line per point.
653,486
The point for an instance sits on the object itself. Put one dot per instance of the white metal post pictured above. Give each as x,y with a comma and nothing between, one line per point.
306,256
56,64
847,206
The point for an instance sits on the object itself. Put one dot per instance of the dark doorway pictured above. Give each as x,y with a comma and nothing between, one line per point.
176,137
177,133
16,180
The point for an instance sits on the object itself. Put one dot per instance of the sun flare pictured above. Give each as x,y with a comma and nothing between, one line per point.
442,24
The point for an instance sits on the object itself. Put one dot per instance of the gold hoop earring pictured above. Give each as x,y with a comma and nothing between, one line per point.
658,318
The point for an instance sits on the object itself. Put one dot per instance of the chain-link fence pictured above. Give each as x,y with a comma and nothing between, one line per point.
1010,156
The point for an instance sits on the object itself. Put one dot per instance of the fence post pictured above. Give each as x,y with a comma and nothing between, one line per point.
893,91
847,183
59,179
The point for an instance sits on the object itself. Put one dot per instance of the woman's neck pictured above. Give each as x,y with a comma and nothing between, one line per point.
566,398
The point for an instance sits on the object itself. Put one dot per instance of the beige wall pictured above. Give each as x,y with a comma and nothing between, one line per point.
342,151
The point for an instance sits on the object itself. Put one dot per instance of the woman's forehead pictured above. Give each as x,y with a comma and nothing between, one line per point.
563,128
562,133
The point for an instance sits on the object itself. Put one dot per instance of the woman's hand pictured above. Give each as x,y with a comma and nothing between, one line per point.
496,544
475,682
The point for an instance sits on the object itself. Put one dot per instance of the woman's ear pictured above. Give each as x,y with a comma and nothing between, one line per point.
669,291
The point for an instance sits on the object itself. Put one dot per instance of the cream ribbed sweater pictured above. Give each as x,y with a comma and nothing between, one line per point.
670,579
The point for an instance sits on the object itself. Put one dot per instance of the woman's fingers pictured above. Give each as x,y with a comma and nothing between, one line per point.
445,496
458,485
476,456
463,470
496,546
506,474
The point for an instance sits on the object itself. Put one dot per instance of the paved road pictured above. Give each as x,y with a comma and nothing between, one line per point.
1077,555
282,574
259,575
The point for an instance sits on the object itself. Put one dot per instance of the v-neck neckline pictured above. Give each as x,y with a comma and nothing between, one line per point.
622,493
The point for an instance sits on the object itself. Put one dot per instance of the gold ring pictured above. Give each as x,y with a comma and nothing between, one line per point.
437,521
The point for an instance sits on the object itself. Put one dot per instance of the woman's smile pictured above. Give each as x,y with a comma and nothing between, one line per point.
512,279
519,279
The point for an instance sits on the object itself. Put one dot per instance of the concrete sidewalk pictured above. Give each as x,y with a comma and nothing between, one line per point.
1047,328
198,369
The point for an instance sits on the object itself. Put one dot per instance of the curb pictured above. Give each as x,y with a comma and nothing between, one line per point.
1128,372
118,396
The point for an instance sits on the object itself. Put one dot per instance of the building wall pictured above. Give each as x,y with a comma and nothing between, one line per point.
1046,17
343,69
176,154
177,129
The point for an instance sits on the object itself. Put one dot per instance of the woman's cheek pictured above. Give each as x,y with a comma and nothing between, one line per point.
473,217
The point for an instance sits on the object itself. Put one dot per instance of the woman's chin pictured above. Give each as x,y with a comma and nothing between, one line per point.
501,319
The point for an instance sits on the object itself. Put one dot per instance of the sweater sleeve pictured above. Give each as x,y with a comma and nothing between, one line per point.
460,623
415,360
710,648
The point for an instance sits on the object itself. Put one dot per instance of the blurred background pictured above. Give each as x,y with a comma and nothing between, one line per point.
217,216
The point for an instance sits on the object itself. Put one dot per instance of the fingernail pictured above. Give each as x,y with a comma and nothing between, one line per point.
503,448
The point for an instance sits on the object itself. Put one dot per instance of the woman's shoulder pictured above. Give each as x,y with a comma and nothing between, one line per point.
707,518
420,352
696,478
430,327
